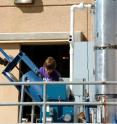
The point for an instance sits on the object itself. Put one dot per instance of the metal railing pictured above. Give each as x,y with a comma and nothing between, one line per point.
44,103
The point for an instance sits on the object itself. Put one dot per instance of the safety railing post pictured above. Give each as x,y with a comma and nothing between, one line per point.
32,113
21,100
44,105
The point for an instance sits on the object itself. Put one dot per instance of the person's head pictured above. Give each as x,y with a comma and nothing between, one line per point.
50,64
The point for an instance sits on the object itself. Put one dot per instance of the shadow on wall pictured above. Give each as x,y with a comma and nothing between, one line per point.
83,37
36,7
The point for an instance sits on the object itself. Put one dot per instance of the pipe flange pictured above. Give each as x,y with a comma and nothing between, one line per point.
105,47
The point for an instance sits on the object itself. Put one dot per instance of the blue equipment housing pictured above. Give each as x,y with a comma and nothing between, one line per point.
55,92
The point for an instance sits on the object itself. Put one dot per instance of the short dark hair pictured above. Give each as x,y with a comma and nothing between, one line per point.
50,63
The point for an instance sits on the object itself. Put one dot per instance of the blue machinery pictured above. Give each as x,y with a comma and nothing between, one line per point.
58,92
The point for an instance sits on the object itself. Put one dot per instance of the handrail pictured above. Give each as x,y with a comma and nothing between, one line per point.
57,82
44,103
55,103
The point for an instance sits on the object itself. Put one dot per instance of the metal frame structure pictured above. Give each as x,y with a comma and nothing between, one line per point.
45,103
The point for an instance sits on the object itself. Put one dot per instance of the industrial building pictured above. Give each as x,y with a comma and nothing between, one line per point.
81,36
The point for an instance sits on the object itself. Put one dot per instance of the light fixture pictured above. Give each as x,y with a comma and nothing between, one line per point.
24,1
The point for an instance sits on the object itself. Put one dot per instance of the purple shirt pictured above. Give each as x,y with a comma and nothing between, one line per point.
54,76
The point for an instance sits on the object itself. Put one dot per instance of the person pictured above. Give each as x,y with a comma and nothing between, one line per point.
48,70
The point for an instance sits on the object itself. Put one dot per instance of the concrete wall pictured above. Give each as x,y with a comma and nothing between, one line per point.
8,93
42,16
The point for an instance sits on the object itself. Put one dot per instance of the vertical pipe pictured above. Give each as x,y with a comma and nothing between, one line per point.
44,105
71,41
32,114
21,107
106,53
71,37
